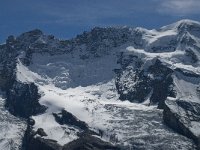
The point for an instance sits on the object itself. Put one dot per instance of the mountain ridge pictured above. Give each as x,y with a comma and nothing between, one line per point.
108,80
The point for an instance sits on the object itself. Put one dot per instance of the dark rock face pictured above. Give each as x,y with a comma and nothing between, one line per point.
41,132
131,82
89,142
183,117
22,100
162,83
138,91
100,40
7,65
39,143
67,118
136,84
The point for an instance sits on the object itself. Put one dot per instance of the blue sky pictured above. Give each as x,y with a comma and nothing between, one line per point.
67,18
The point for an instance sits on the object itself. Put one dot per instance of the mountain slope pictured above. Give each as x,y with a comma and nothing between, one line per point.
110,84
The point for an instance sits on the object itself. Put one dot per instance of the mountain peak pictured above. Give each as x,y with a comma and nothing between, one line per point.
182,24
187,21
33,32
30,36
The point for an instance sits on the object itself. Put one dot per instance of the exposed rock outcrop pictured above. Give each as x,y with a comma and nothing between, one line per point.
67,118
184,117
38,143
89,142
137,85
22,100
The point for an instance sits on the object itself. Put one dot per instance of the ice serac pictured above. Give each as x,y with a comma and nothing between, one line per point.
109,88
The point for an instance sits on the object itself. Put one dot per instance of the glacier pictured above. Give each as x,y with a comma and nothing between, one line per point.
122,84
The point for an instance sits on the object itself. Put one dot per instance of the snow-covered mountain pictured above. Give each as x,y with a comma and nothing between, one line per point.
110,88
